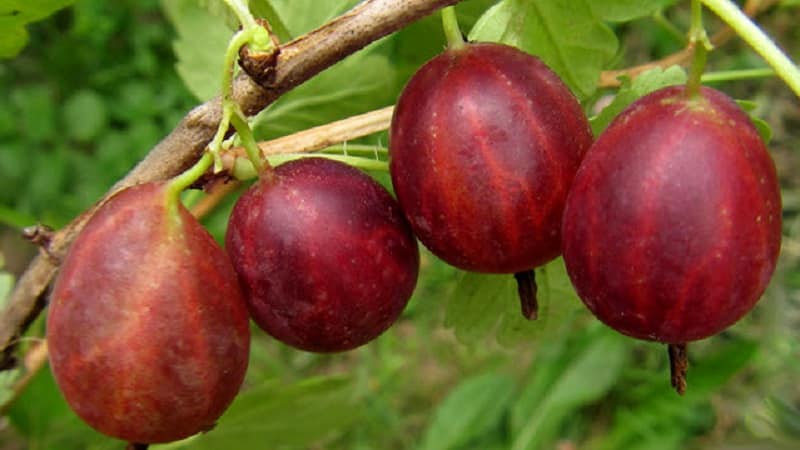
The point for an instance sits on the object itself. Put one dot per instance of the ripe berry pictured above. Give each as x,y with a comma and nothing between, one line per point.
672,227
326,258
485,141
147,328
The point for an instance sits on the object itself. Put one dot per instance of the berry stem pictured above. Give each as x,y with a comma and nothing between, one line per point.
259,37
698,39
678,366
228,104
241,10
526,289
136,446
243,169
251,33
184,180
455,39
758,40
249,142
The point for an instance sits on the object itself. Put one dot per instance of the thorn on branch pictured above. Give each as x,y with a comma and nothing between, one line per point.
38,234
41,235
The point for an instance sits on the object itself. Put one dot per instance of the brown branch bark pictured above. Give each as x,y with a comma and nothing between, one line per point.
298,61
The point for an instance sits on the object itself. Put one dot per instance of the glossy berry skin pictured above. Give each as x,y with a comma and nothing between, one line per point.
147,328
672,228
326,258
484,143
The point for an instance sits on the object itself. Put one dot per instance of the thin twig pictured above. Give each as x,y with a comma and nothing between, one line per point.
322,136
611,78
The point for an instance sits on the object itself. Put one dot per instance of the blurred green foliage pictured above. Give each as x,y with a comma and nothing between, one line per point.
88,97
100,82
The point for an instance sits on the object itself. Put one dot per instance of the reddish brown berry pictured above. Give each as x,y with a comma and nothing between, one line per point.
147,329
327,260
672,228
485,141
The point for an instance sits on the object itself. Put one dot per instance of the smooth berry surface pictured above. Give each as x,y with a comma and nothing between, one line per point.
673,225
147,328
326,258
484,143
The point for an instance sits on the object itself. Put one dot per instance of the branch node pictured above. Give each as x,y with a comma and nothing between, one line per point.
41,235
260,65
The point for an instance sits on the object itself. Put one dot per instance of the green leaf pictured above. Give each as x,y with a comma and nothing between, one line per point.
220,9
302,16
761,125
360,83
626,10
263,9
200,46
36,112
478,303
295,416
85,115
12,39
653,409
15,14
571,376
473,408
8,379
565,35
6,284
43,417
644,84
484,306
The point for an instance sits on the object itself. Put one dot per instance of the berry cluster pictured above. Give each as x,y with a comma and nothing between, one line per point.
669,225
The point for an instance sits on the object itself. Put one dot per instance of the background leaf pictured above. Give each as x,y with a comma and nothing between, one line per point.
629,92
567,376
16,14
284,416
750,107
650,411
565,35
200,46
42,415
483,306
360,83
85,115
302,16
6,282
626,10
471,409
